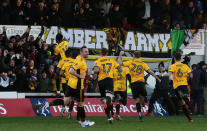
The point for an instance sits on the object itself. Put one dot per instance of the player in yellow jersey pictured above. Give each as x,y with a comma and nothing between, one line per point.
180,73
64,73
76,85
120,88
65,77
60,51
137,68
104,68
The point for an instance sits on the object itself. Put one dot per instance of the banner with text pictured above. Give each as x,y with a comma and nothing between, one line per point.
156,45
93,107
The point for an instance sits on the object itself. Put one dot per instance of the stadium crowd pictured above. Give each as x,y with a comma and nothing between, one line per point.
147,15
25,63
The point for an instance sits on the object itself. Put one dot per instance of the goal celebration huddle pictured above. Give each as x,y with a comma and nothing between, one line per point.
112,76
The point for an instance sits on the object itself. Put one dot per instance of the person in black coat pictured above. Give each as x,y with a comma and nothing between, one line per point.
4,13
29,14
18,14
116,17
101,21
162,91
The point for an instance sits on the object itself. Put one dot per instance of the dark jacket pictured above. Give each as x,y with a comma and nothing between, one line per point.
5,15
116,19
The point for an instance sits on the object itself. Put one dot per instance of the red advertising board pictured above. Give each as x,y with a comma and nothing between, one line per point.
16,107
93,107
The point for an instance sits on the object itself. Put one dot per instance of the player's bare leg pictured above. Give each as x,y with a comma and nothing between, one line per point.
139,102
185,109
109,107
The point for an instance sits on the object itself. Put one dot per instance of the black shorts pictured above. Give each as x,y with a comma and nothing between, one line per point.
75,93
182,92
120,96
64,86
160,93
106,86
138,89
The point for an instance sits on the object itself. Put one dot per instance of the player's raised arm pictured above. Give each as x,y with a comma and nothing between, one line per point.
167,74
153,74
120,58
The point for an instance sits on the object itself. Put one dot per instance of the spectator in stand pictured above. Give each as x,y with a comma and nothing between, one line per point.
42,14
147,10
44,83
33,80
115,16
81,19
204,26
77,6
17,14
54,17
139,9
4,13
105,5
177,15
101,20
7,81
155,11
21,83
198,6
177,26
11,64
166,10
149,26
90,15
30,14
189,15
199,19
165,26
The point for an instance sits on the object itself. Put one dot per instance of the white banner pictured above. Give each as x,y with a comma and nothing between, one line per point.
197,44
13,30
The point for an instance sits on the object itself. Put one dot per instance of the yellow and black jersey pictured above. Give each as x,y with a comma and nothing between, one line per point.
180,74
137,68
106,67
66,67
63,61
120,79
80,67
61,48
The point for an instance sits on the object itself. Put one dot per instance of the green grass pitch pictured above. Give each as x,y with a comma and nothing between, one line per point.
170,123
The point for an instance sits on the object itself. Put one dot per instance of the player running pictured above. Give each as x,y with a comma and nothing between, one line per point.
137,68
76,84
104,68
60,51
64,64
180,73
120,88
64,72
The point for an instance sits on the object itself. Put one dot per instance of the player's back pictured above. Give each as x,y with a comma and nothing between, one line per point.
106,67
137,68
66,67
180,74
61,48
63,61
120,79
